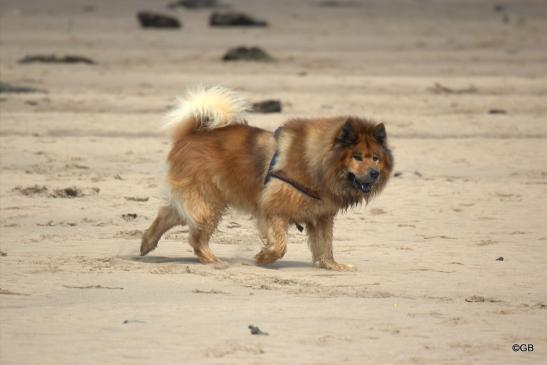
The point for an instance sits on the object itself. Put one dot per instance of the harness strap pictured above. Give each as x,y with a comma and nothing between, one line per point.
281,175
295,184
274,157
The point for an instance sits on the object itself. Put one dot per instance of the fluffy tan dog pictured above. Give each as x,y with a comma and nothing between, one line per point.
304,174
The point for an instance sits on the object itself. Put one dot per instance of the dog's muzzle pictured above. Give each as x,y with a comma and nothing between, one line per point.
366,183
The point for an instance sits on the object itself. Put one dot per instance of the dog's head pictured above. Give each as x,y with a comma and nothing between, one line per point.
363,159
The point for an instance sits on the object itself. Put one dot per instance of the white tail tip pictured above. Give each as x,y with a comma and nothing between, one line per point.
209,108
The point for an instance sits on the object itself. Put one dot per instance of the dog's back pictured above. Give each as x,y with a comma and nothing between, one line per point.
215,154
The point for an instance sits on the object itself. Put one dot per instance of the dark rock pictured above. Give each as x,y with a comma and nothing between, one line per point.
233,19
14,89
137,198
247,54
74,192
497,111
131,234
98,286
500,258
481,299
129,216
56,59
256,331
398,174
438,88
475,299
212,291
69,192
31,190
337,4
154,20
500,8
195,4
266,106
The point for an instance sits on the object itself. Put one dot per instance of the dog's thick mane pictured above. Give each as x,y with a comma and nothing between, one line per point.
205,108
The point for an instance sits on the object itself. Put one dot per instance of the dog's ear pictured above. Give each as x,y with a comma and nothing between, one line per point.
379,133
347,135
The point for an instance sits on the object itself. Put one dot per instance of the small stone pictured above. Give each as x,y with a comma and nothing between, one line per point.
154,20
267,106
247,54
256,331
69,59
475,299
31,190
194,4
129,216
137,198
127,321
16,89
234,19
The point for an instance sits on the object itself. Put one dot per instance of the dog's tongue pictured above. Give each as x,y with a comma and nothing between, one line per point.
365,188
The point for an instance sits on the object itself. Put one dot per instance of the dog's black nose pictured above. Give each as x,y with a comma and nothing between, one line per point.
374,173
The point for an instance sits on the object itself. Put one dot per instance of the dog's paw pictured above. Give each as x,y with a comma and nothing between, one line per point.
268,255
333,265
220,265
206,257
147,245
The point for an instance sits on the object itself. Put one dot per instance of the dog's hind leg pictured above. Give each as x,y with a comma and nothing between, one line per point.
202,210
276,235
200,234
199,240
167,218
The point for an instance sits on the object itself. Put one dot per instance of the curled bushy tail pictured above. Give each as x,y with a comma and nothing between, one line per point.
205,109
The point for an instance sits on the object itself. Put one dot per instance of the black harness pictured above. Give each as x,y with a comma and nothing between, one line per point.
281,175
274,157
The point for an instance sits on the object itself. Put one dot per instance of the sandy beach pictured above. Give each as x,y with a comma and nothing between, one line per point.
449,261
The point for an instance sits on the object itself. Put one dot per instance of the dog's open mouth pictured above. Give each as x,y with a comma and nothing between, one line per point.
365,187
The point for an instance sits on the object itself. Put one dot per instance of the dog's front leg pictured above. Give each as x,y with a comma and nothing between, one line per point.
320,242
276,236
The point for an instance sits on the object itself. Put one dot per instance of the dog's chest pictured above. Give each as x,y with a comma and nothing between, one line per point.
280,198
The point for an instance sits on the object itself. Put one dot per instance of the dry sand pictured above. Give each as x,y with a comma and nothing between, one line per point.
427,288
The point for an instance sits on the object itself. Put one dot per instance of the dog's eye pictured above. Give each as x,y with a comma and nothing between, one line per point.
375,158
358,157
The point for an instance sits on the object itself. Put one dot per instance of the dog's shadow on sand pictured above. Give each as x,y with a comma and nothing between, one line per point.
160,259
286,264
